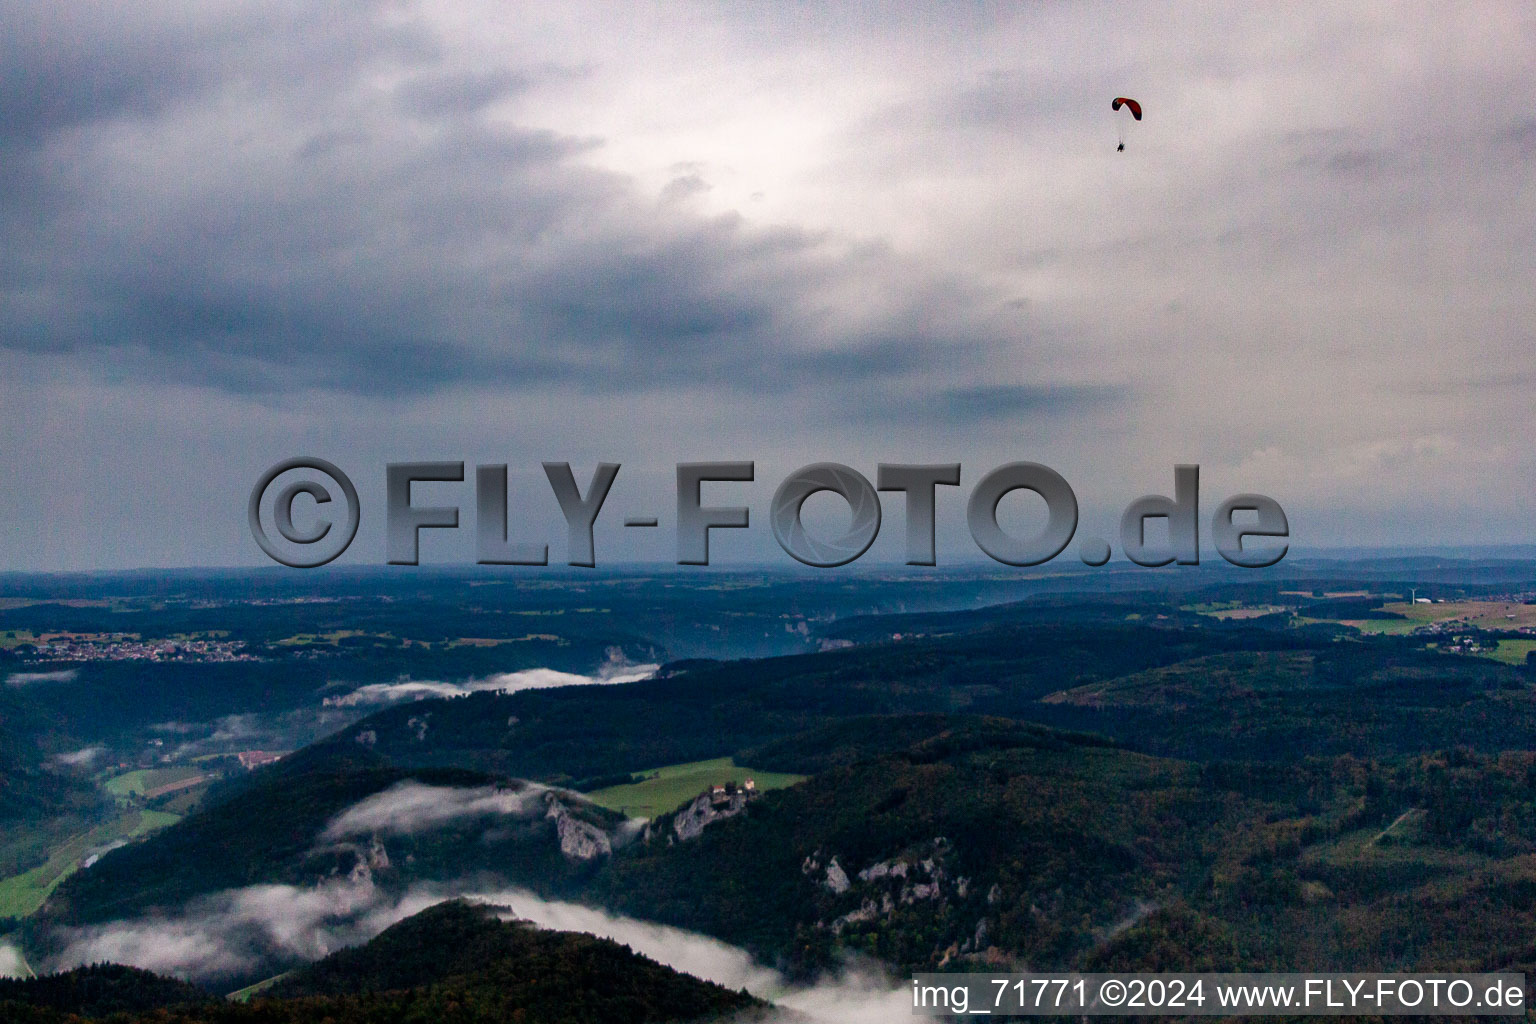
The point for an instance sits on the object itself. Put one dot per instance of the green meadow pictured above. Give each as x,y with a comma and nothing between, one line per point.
666,789
21,895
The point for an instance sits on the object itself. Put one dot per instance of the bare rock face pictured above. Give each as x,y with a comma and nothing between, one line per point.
579,840
832,875
909,878
885,869
837,878
366,861
360,874
378,857
705,810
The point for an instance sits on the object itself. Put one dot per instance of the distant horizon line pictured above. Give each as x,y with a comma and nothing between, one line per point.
1508,552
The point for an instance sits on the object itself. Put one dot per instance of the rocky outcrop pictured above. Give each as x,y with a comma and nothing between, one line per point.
833,877
837,878
869,910
705,810
378,857
579,840
917,875
884,869
368,861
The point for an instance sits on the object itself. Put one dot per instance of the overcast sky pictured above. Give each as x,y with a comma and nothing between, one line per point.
373,232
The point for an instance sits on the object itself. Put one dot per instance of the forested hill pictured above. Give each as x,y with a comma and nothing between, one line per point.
1199,691
509,966
1064,793
455,961
97,991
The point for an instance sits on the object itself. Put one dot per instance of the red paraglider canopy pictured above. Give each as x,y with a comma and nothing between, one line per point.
1125,101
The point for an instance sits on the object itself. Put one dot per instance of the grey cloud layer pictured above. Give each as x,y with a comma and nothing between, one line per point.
407,808
502,682
234,930
429,230
239,930
341,211
62,675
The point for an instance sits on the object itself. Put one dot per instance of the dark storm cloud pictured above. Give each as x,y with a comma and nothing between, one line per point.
883,356
684,186
915,404
230,232
1002,401
262,204
687,296
460,92
63,66
57,72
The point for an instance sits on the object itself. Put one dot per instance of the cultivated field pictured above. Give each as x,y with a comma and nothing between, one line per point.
1482,614
667,789
153,782
22,894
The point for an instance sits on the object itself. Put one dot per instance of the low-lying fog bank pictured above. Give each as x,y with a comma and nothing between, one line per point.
502,682
235,932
